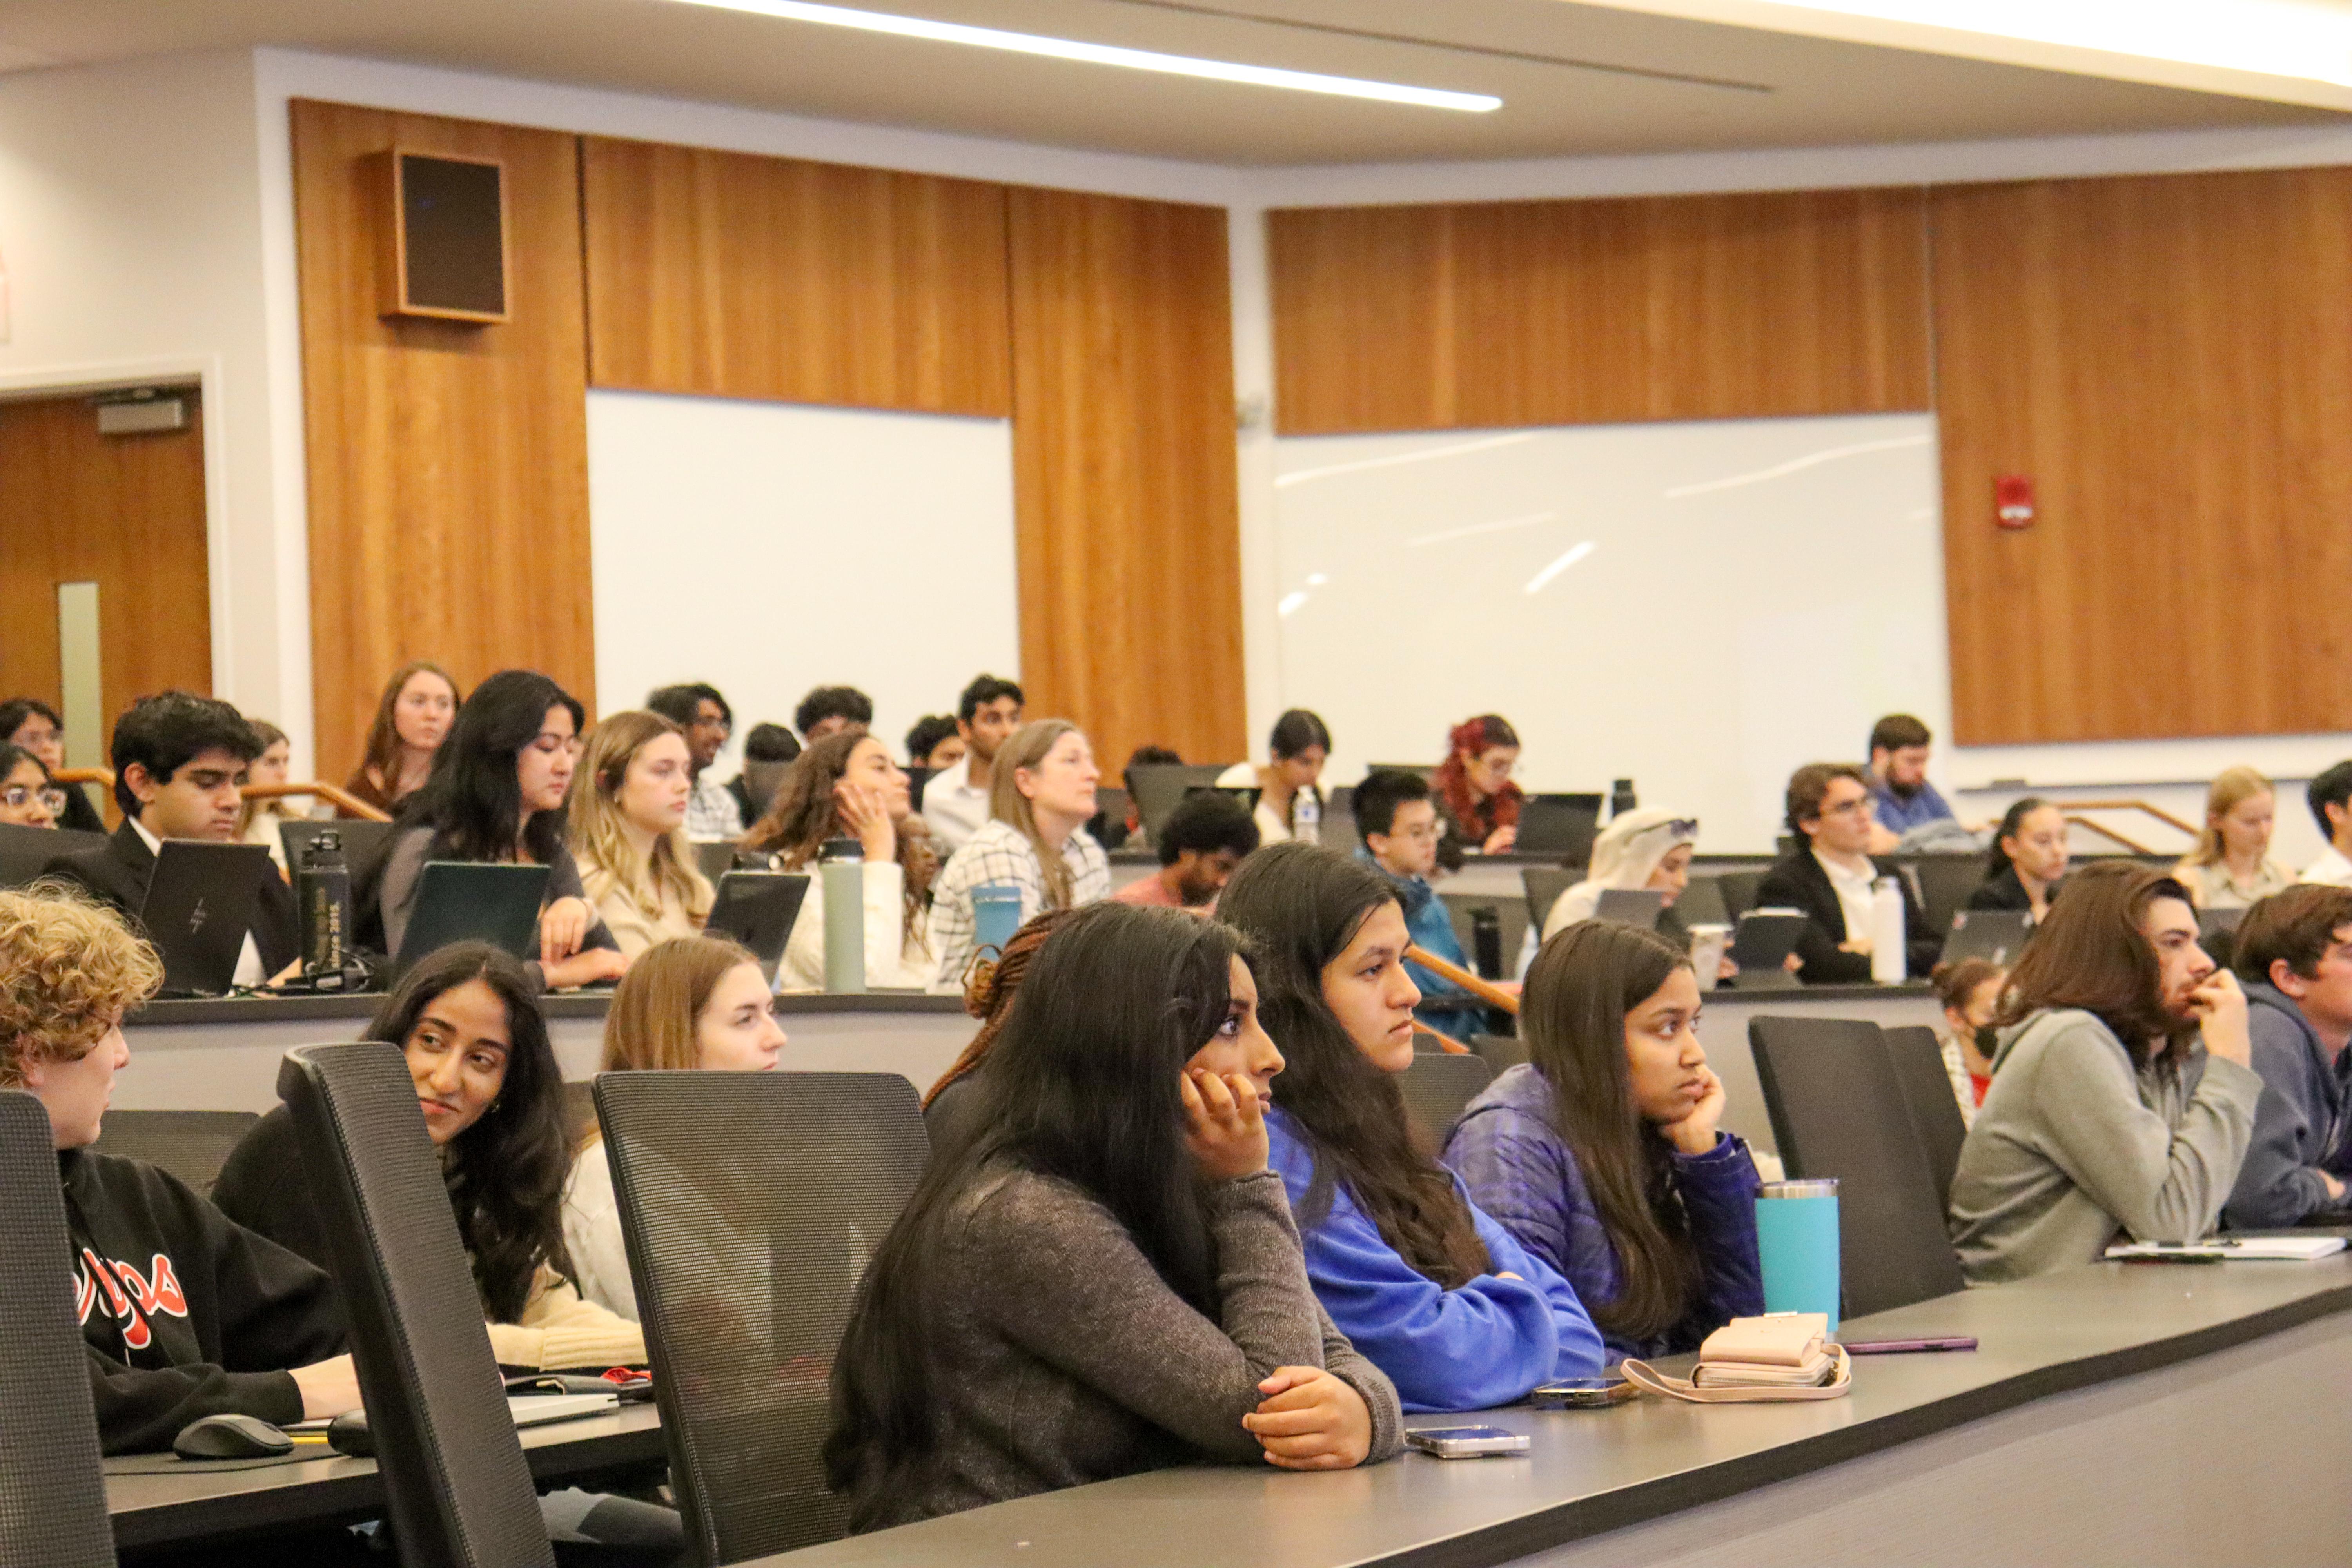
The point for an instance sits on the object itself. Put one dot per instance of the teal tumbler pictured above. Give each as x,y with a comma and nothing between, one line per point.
1797,1237
995,914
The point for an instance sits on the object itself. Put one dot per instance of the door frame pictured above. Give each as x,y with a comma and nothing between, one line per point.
205,372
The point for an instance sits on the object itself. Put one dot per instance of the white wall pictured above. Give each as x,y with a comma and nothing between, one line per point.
768,548
130,230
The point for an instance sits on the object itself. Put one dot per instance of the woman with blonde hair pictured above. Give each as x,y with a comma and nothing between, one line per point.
2232,869
697,1003
412,719
846,786
628,831
1041,796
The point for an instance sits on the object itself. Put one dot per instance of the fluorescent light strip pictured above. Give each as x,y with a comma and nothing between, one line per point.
2309,40
1107,54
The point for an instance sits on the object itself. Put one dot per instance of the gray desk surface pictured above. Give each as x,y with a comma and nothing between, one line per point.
150,1511
1599,1470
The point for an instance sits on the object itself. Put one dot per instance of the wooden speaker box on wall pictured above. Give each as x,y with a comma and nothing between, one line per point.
444,226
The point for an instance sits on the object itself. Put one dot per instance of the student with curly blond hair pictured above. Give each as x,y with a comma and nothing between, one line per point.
183,1313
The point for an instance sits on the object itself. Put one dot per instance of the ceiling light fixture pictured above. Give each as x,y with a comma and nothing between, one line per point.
1108,54
2309,40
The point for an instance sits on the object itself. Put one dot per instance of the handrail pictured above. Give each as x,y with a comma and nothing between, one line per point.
1485,990
341,799
2103,831
84,775
2157,812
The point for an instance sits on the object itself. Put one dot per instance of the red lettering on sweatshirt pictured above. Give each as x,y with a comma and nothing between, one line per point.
129,1296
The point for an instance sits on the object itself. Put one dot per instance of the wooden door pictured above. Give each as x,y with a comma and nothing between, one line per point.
126,512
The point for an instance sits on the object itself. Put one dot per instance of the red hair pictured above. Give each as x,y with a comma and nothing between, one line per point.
1472,738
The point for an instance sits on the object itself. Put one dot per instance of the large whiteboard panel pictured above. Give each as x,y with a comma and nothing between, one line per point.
1701,607
768,548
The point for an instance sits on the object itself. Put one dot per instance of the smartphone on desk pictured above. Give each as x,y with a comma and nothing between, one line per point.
1580,1394
1468,1442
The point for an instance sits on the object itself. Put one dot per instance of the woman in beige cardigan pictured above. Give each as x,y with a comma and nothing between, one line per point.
629,832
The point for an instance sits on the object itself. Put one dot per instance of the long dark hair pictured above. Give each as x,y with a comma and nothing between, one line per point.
1082,1087
2091,953
805,812
506,1172
1301,905
2013,823
989,993
473,801
1582,985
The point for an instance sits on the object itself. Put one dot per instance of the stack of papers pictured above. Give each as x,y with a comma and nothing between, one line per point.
2235,1248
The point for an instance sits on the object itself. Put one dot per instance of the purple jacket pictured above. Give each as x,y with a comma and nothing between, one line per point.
1511,1157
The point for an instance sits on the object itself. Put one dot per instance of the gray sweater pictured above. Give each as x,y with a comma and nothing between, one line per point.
1066,1359
2072,1146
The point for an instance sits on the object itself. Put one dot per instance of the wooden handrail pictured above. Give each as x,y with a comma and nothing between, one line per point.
2103,831
1485,990
2157,812
84,775
341,799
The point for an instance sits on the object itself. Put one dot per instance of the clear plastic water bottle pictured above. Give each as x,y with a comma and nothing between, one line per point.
1306,817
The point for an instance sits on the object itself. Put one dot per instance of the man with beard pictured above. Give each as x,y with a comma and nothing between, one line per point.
2122,1101
1900,746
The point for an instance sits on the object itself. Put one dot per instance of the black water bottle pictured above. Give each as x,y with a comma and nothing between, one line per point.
323,891
1486,942
1621,798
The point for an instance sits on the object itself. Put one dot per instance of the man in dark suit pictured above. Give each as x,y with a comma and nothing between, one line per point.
1830,880
179,762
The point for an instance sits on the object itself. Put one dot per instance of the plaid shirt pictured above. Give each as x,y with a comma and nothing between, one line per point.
999,852
711,811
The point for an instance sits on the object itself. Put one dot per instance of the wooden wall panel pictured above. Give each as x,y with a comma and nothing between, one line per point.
1568,312
1124,473
124,511
736,276
2170,360
448,464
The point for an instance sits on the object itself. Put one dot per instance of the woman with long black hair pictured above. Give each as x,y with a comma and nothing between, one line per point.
497,794
1439,1296
1601,1153
492,1095
1104,1277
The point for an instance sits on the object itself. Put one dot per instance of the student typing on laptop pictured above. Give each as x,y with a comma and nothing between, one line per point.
179,762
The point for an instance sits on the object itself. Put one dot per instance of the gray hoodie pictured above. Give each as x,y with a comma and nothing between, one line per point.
2072,1146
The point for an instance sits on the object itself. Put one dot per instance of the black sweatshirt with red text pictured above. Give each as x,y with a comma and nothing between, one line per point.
184,1313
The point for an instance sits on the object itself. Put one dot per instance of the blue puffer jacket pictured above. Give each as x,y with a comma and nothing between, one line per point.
1484,1344
1509,1154
1444,1005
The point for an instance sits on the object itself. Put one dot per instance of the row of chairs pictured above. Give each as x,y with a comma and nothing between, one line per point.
751,1204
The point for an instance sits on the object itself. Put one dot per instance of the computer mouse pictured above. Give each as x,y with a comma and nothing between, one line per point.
349,1433
231,1438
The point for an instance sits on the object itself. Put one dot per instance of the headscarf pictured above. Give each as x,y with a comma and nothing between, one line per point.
1625,856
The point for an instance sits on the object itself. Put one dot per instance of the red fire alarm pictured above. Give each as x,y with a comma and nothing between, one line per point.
2012,500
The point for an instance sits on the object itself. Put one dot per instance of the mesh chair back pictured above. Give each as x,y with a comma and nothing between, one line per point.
1927,1087
52,1488
1837,1110
1437,1087
1738,891
751,1204
190,1144
1544,885
1500,1051
460,1495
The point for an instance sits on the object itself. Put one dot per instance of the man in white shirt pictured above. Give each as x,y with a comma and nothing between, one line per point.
712,812
1829,879
955,802
2331,802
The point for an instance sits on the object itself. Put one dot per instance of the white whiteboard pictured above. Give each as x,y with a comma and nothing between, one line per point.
1700,608
767,548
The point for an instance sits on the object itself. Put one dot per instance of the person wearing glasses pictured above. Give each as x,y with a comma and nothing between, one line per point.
1397,819
1829,879
33,725
496,795
1478,804
29,798
180,764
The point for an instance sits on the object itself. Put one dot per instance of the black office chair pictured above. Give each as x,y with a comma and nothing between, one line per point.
1544,885
1919,1073
190,1144
459,1494
751,1204
1437,1088
1738,891
1500,1052
1838,1111
52,1486
1943,883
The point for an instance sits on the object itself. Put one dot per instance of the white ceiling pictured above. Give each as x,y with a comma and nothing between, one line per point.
1576,79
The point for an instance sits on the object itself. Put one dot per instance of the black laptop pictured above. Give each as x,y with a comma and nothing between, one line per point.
757,909
1761,944
1559,828
201,901
458,900
1159,786
24,851
1998,935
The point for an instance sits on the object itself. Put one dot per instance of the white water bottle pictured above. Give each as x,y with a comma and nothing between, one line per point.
1886,956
